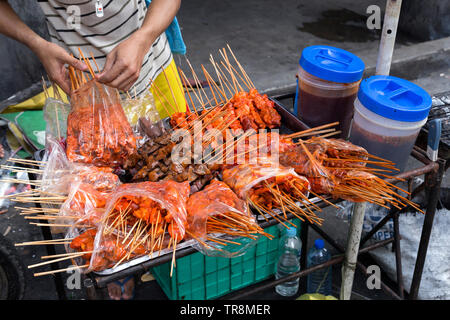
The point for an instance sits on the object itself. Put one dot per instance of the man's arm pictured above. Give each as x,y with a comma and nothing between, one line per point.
52,56
123,63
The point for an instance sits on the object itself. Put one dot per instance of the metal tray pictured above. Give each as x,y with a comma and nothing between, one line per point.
289,124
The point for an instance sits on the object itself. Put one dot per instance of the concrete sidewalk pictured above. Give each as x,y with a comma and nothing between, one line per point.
268,39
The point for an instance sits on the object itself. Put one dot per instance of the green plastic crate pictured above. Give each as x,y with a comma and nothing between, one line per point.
199,277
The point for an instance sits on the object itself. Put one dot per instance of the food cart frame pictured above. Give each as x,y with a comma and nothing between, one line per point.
433,172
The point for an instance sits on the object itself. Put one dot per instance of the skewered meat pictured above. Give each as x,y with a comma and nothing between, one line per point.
107,252
246,110
101,178
217,209
154,163
98,131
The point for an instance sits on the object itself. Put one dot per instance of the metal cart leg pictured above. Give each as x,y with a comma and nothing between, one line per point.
91,291
351,253
433,181
398,256
304,238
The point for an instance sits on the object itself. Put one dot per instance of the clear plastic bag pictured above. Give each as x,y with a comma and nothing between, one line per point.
55,116
216,218
102,179
56,177
135,221
143,117
59,173
243,178
339,153
267,187
98,131
100,253
306,161
141,107
112,249
82,241
339,148
84,203
170,195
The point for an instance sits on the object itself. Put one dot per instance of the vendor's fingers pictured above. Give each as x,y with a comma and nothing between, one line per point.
63,84
114,66
62,80
77,64
125,80
126,85
110,59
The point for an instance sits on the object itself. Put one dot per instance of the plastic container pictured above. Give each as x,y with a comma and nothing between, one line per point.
389,113
199,277
328,81
288,262
319,281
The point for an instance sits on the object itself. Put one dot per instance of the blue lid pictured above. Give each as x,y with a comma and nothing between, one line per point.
291,232
332,64
394,98
319,244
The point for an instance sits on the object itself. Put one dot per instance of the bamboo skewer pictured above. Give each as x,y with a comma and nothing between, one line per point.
186,80
173,255
57,225
75,255
241,68
43,242
294,135
27,161
171,91
66,254
187,90
331,134
197,83
61,270
56,112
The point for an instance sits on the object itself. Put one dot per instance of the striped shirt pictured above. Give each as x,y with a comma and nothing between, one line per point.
74,24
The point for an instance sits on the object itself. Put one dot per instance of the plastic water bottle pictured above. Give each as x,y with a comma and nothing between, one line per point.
319,281
288,262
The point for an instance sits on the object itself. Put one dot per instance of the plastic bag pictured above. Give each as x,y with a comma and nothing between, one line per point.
245,177
98,131
272,190
171,196
59,173
84,203
306,161
112,249
82,240
56,176
338,148
136,218
143,117
102,179
255,110
218,210
100,254
55,116
140,107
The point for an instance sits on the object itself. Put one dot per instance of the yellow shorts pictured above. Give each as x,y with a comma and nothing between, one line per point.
168,92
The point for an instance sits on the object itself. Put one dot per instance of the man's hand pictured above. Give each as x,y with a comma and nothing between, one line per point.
54,58
124,62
